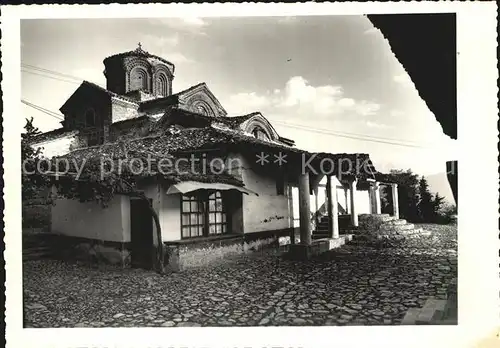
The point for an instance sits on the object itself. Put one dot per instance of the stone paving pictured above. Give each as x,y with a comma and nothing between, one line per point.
353,285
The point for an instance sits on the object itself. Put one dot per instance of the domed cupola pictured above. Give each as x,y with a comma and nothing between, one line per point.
139,71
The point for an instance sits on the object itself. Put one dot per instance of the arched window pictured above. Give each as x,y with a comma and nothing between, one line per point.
259,133
202,107
138,79
162,85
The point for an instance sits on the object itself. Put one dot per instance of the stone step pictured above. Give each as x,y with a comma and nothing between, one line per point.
396,222
430,313
36,256
390,227
320,231
351,230
363,216
411,316
319,236
432,310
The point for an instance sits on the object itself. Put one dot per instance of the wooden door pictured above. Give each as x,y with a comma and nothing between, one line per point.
141,229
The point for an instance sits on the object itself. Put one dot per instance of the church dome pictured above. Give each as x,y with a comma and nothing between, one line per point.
139,70
138,52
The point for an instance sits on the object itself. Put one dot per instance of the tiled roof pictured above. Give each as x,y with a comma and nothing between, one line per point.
235,121
172,142
52,135
147,151
229,121
139,52
112,94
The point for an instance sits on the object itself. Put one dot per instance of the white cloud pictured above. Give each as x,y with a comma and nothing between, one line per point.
149,40
366,108
396,113
299,97
403,79
243,103
371,31
176,58
376,125
194,21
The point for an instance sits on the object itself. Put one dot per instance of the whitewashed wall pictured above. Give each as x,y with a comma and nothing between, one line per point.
91,220
170,216
268,211
56,147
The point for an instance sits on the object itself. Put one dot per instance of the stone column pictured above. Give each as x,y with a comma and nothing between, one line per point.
290,212
333,201
354,215
316,205
371,199
395,200
376,198
304,209
329,207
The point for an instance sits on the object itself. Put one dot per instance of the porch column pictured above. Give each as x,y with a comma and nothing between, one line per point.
329,207
290,212
316,205
304,209
333,209
376,198
354,214
395,200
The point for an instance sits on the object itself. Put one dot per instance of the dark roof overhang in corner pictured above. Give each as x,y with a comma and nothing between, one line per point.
425,44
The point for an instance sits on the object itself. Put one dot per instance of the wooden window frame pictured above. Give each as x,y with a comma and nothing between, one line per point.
203,203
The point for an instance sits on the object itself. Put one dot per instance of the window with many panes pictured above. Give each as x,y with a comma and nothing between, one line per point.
203,215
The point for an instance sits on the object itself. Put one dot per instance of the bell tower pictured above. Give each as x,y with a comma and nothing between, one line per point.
139,73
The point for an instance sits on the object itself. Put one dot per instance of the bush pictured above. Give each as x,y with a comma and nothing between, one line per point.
36,216
447,214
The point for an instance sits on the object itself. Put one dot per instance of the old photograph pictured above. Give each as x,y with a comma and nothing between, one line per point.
233,148
223,171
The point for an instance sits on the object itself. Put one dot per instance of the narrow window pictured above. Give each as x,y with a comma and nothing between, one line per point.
280,185
90,119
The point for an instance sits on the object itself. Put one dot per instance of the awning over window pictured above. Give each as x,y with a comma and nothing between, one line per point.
189,186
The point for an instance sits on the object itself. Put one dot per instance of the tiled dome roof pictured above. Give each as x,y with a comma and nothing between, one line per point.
138,52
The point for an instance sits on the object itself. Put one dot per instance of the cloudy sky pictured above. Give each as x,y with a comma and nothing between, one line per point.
331,83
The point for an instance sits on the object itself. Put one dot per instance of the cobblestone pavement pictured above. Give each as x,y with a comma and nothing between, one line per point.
354,285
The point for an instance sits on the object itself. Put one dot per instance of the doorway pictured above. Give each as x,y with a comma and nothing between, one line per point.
141,233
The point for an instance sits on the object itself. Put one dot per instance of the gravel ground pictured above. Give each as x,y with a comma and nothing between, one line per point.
353,285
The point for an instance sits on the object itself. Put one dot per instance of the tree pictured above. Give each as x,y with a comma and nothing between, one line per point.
429,205
437,204
425,203
33,182
407,191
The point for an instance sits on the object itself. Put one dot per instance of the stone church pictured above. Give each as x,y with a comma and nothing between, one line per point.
259,201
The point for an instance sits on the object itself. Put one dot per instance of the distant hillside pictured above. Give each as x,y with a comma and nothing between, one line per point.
439,183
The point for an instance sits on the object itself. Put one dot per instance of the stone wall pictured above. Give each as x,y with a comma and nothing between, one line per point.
91,251
58,146
182,256
121,110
